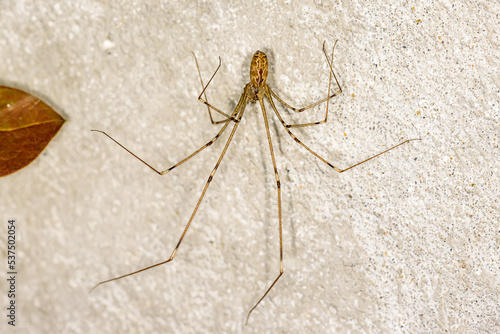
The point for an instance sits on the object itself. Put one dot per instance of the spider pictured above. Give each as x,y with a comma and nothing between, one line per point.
254,91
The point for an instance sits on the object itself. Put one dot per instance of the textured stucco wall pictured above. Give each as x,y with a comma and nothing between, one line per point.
406,243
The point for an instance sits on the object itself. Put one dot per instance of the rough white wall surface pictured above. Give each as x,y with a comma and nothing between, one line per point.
406,243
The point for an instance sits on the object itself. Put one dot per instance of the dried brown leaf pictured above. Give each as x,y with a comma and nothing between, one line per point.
27,125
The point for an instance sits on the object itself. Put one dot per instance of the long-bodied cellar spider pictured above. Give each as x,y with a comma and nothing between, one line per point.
254,91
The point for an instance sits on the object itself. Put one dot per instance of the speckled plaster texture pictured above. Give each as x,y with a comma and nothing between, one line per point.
406,243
